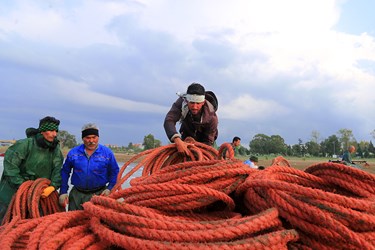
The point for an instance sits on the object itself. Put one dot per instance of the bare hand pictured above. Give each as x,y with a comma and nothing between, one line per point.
181,146
64,200
106,192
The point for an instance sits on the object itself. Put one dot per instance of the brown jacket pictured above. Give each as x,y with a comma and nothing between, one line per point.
204,131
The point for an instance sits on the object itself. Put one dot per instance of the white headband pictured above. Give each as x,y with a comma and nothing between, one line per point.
194,98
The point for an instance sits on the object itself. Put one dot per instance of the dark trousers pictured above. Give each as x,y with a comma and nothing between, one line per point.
77,197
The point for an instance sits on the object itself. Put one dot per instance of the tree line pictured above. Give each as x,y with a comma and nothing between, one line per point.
262,144
69,141
334,145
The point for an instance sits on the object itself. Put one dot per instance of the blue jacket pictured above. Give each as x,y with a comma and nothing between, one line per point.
89,173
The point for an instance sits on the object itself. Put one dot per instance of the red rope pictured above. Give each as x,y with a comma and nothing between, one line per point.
153,160
202,202
27,202
331,204
134,227
226,148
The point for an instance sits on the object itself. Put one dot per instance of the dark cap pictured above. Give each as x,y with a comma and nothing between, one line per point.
90,129
48,123
195,89
254,158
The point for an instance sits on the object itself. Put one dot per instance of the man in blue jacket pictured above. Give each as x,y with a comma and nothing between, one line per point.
94,168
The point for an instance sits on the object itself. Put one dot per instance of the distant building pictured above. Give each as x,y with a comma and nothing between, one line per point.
7,143
138,145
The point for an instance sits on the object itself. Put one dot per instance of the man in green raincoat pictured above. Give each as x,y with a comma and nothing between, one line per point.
37,156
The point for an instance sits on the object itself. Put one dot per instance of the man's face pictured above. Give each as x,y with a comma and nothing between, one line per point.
195,107
90,141
49,135
237,143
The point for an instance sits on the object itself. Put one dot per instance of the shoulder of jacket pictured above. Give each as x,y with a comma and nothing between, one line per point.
184,109
21,143
78,148
104,148
24,140
211,107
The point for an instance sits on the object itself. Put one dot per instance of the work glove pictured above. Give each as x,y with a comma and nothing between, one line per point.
63,200
47,191
106,192
181,146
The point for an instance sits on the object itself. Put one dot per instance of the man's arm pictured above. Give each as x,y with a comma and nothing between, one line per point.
212,131
56,168
113,171
13,158
65,174
172,117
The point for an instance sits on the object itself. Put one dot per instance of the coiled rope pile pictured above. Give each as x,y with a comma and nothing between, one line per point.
331,205
201,201
27,202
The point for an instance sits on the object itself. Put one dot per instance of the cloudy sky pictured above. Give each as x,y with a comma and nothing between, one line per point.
278,67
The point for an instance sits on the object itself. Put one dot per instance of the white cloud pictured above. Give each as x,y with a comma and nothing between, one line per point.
81,24
287,53
191,19
80,93
245,107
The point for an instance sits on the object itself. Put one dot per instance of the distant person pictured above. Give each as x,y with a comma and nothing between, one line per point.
197,116
37,156
347,157
252,162
236,144
94,168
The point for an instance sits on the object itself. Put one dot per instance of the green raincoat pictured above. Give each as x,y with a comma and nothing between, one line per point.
29,159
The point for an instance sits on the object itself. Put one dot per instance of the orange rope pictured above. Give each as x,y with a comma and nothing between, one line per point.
226,148
133,227
153,160
187,185
280,161
27,202
201,201
329,204
346,179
